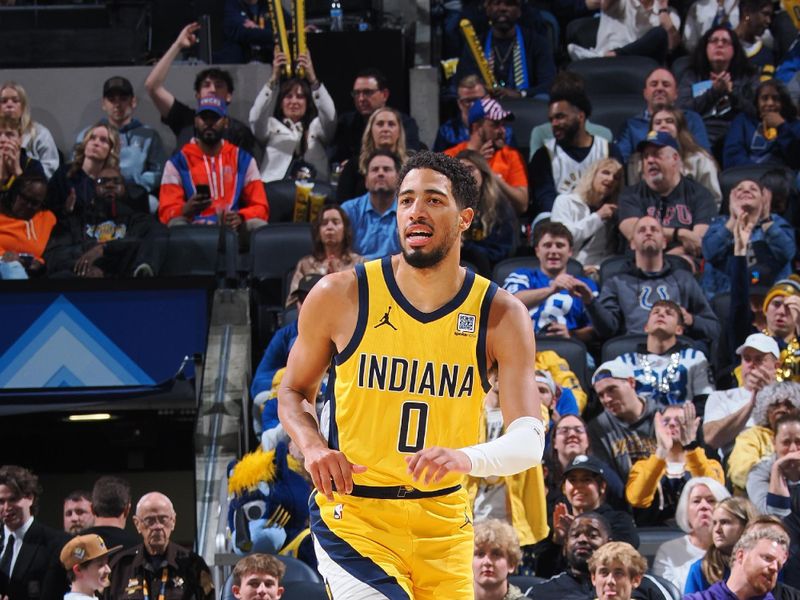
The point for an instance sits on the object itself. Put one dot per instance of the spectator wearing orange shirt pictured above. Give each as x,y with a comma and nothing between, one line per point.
25,227
210,180
487,135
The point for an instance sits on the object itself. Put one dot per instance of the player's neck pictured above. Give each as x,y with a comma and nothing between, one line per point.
429,289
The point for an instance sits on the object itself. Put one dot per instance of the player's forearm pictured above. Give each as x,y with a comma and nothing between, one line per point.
298,422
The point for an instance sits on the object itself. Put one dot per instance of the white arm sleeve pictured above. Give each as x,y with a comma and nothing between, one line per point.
517,450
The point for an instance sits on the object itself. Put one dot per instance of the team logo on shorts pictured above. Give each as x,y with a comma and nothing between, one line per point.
337,511
466,324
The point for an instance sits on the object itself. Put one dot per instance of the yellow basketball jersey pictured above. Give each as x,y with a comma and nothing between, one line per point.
409,380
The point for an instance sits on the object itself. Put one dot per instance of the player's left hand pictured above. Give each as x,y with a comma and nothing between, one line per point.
435,462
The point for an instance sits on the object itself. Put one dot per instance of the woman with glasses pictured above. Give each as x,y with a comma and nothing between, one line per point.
384,130
295,119
655,483
720,83
25,227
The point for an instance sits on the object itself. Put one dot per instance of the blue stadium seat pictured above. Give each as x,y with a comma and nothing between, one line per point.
304,590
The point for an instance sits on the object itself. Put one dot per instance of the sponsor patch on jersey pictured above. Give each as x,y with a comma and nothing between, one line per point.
466,324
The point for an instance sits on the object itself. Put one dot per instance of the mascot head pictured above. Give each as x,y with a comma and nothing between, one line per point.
267,502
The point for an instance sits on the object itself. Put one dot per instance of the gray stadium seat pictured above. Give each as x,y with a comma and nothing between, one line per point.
528,113
571,350
302,579
614,111
583,32
613,76
200,251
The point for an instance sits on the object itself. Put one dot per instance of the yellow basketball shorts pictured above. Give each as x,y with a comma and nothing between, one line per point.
400,549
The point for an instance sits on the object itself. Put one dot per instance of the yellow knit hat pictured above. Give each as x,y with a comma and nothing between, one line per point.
785,287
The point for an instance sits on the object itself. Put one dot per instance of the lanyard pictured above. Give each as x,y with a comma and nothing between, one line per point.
161,593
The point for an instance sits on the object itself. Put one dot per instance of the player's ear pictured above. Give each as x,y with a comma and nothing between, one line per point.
465,218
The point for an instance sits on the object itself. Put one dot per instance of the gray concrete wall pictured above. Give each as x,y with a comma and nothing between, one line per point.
67,100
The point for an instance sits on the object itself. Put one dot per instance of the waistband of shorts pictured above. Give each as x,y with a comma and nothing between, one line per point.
399,492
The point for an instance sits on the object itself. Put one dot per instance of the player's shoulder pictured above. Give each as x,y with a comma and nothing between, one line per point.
506,305
342,285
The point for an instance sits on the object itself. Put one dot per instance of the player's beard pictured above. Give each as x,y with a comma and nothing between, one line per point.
419,259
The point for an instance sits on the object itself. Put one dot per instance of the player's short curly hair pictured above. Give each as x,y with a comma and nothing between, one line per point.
499,534
462,183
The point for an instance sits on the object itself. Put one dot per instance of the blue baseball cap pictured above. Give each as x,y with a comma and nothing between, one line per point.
211,104
660,139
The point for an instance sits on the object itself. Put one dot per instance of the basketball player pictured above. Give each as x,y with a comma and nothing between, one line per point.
412,337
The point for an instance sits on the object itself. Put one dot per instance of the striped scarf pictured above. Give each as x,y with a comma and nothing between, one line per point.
517,76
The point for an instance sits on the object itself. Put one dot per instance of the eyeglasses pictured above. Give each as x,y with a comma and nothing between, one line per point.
112,180
720,41
152,520
366,93
565,431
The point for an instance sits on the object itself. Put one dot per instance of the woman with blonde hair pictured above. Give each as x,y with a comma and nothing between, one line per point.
589,212
728,522
73,185
492,236
37,140
384,130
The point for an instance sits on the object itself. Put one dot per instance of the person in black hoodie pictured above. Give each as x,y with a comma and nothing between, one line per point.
106,239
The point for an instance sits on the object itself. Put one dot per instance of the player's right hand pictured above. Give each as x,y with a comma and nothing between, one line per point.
331,471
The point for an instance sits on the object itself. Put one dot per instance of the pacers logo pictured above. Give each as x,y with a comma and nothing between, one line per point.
465,324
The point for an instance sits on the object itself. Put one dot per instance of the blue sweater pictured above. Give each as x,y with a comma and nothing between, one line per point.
745,144
775,246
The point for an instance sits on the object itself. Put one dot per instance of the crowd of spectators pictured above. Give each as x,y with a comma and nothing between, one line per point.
627,234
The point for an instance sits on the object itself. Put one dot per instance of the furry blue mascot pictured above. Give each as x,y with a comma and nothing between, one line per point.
267,506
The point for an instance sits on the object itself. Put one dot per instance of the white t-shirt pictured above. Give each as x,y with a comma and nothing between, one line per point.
723,403
674,559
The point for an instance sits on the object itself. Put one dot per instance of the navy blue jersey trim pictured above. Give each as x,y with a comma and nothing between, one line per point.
483,327
410,309
363,313
330,392
349,559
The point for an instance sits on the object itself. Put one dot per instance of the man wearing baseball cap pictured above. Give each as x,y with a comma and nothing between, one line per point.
728,412
487,120
85,557
624,432
683,207
141,155
211,181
